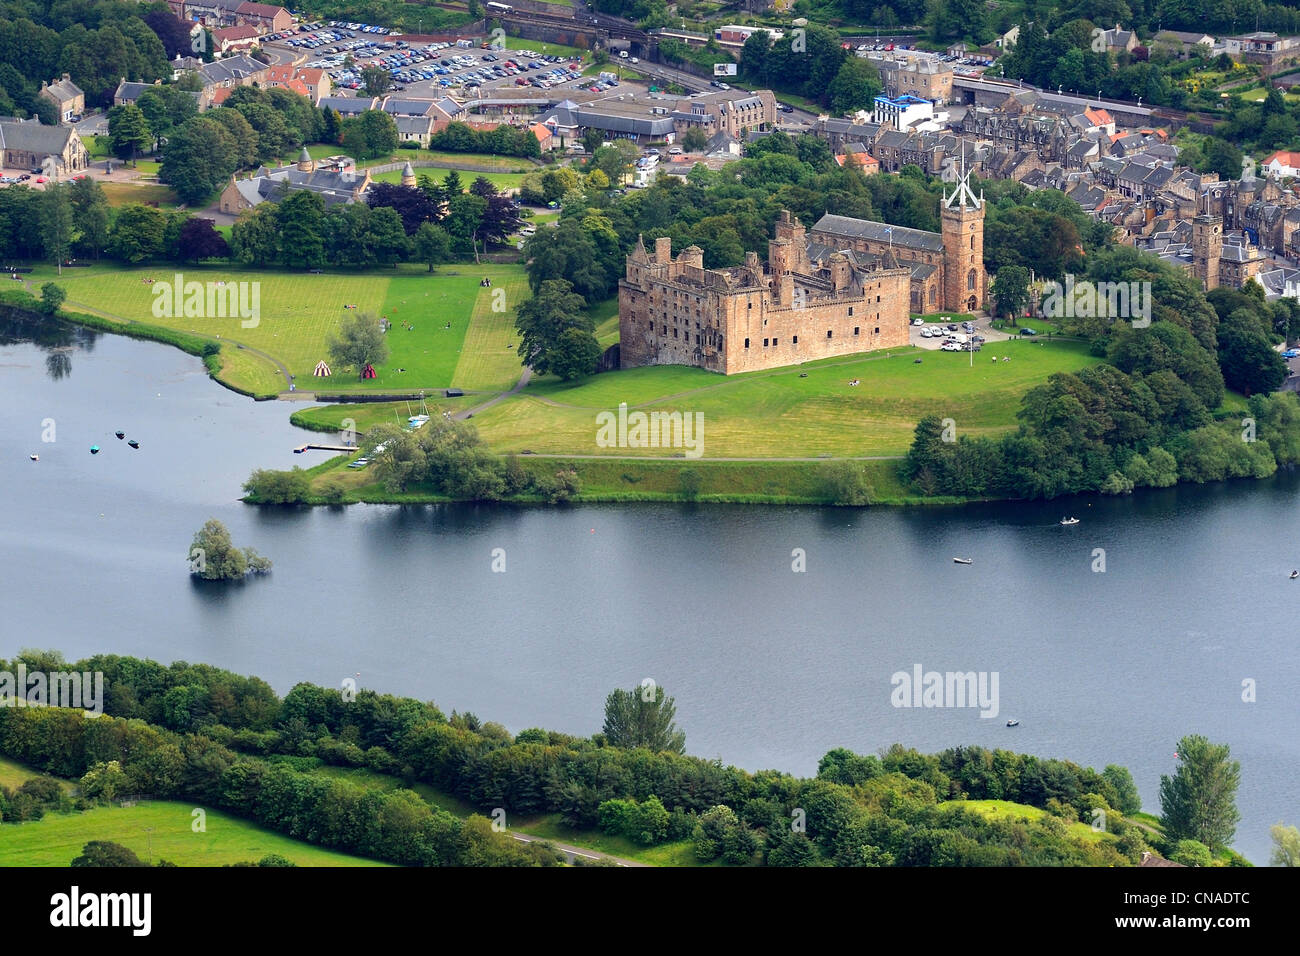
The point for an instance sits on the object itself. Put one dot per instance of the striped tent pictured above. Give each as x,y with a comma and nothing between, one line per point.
322,370
368,371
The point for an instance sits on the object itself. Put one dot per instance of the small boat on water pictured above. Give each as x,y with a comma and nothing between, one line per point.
1069,521
94,449
962,561
133,443
120,435
1013,722
34,457
1294,574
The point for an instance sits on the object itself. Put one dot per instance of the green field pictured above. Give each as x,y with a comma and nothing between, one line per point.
778,413
57,839
505,164
300,312
1006,810
124,194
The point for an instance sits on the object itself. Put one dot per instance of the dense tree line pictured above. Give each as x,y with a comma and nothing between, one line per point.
200,733
96,43
812,63
503,140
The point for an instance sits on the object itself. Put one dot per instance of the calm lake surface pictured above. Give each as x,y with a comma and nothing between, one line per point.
770,668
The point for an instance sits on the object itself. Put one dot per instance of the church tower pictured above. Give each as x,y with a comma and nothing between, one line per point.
962,216
1207,248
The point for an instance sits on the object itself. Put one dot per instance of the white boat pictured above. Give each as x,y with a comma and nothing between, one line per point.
1294,574
962,561
1013,722
1069,521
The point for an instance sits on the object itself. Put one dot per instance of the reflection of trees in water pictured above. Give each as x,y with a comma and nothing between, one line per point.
58,364
58,339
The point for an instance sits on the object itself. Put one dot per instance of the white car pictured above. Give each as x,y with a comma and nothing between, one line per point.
926,333
914,321
951,347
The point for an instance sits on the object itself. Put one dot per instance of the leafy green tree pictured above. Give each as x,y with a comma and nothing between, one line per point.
128,132
694,140
1128,802
1011,290
372,134
104,781
1192,853
591,141
52,298
56,223
1249,362
199,159
267,486
214,557
137,233
90,212
431,245
376,81
249,145
1199,801
543,322
855,87
643,717
1286,845
360,342
845,483
385,237
1223,158
103,853
300,217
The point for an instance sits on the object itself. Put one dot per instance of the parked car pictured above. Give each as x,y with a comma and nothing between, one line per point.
1028,331
914,321
952,326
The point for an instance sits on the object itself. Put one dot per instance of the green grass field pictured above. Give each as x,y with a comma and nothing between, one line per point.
780,414
124,194
1006,810
300,312
505,164
56,839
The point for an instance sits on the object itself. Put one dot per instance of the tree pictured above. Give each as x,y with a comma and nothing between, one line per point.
855,87
384,236
1192,853
845,483
57,228
137,233
542,322
574,354
431,245
1223,158
104,781
102,853
332,125
1011,290
200,240
1199,801
1249,362
199,159
694,140
376,81
90,211
52,297
214,557
643,717
128,132
1127,800
372,134
1286,845
591,141
361,342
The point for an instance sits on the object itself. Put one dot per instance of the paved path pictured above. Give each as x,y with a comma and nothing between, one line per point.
518,387
572,851
682,457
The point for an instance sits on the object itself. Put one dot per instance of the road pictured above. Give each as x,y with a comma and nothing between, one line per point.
572,851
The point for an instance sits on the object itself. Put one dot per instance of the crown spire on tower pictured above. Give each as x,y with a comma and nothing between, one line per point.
962,195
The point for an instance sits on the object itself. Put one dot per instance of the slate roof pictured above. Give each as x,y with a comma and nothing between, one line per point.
230,69
880,232
64,90
31,136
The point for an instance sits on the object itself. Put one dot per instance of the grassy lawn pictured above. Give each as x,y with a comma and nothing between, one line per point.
300,312
122,194
57,838
505,164
519,43
487,359
1006,810
781,414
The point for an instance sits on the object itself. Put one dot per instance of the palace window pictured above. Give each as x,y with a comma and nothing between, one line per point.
855,330
877,330
746,343
850,310
970,279
674,333
829,334
764,343
796,340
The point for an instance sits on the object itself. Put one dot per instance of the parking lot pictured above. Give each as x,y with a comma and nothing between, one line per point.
433,69
945,336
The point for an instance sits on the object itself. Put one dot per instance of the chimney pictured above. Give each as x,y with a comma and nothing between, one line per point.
663,250
839,271
67,77
693,256
785,291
